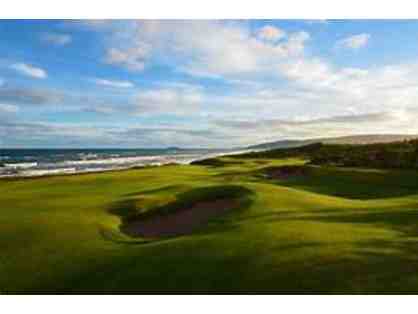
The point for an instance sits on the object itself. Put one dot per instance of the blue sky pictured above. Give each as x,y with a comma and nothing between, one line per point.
150,83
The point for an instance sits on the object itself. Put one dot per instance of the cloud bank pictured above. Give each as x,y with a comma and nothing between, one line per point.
211,83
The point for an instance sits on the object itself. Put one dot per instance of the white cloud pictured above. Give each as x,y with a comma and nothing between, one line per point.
29,70
6,108
354,42
271,33
174,99
263,130
314,89
113,83
270,87
56,39
133,59
202,48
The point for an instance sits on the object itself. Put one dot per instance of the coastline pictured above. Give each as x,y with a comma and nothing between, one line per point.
73,172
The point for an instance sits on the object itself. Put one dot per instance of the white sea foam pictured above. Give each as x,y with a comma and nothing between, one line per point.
31,169
108,161
87,156
21,165
44,172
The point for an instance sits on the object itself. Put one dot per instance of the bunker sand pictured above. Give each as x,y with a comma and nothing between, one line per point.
183,221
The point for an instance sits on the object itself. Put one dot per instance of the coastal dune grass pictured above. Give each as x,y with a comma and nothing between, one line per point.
332,230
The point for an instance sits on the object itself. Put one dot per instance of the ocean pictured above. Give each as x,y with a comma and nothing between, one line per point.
40,162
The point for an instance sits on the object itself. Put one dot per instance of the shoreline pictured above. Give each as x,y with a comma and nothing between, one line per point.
16,177
84,173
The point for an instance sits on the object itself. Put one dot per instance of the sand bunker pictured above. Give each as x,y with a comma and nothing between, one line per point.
182,221
286,172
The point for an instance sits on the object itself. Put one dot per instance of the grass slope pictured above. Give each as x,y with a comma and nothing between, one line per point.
334,231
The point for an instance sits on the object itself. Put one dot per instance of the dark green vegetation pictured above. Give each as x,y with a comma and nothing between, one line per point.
353,139
384,155
322,229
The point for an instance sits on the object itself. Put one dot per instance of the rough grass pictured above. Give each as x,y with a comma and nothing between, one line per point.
334,231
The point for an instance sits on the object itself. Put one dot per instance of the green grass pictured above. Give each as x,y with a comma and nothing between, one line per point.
334,231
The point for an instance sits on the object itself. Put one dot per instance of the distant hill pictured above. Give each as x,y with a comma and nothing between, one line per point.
279,144
353,139
369,139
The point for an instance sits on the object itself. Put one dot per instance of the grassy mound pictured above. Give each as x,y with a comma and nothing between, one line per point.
351,183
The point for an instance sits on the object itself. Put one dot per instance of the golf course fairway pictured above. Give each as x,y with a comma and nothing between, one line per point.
323,230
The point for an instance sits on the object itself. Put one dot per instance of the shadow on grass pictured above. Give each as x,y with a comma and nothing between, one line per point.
369,265
402,220
115,237
216,162
364,266
168,188
360,184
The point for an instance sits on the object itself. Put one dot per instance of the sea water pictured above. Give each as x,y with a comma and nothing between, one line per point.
39,162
